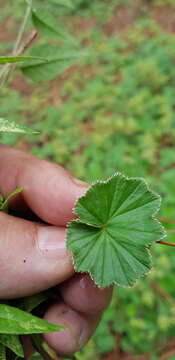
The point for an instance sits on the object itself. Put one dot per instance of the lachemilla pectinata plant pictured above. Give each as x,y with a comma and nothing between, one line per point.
116,219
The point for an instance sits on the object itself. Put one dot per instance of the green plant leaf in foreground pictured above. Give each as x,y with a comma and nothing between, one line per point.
13,343
10,126
2,352
18,322
115,228
14,59
5,202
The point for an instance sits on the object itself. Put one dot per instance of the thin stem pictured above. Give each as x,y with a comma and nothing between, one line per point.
36,342
166,220
22,28
6,68
166,243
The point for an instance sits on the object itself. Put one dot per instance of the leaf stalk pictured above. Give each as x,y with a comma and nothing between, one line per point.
4,73
165,243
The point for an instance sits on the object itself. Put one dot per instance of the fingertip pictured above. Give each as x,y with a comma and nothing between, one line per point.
78,329
50,191
82,294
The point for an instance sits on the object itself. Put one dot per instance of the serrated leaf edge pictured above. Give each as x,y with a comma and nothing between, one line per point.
164,234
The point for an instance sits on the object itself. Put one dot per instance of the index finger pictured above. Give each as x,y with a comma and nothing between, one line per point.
49,190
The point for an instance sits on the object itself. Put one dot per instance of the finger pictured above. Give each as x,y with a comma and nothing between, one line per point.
49,190
81,294
78,328
32,257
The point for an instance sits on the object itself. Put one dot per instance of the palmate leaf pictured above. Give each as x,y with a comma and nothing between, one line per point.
115,228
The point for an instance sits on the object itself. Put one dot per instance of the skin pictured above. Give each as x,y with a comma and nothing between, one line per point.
33,254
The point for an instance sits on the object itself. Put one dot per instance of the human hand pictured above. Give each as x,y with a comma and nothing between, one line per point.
34,257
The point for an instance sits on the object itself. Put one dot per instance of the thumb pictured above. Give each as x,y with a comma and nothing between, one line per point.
33,257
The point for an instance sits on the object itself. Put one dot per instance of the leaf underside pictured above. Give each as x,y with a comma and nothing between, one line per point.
116,226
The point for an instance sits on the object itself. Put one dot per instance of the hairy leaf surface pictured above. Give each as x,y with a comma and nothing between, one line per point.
115,228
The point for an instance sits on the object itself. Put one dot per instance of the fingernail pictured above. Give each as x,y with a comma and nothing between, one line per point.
79,183
51,241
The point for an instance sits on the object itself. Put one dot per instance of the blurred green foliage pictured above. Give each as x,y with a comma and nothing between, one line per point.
116,112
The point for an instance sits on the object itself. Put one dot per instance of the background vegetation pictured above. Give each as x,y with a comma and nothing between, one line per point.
113,112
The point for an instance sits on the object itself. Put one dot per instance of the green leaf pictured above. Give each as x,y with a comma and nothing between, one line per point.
116,226
14,59
18,322
46,23
2,352
58,60
4,202
13,343
1,200
36,356
10,126
65,3
29,303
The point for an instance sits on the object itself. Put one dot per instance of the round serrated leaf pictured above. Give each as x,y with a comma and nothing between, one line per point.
115,228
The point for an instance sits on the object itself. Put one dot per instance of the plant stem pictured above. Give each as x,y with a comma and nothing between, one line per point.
166,243
166,220
7,67
22,28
